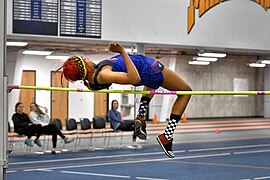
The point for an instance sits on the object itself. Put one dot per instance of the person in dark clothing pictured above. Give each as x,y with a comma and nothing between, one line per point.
23,126
118,124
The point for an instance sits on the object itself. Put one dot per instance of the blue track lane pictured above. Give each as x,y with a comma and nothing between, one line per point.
237,159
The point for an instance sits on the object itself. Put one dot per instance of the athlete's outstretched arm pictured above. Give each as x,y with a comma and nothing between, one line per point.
131,77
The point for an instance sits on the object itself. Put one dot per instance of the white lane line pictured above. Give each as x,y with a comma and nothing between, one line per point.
250,152
223,165
95,174
11,171
89,158
45,170
231,147
131,162
266,177
146,178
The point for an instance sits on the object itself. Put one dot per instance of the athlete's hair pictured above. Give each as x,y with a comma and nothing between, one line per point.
73,69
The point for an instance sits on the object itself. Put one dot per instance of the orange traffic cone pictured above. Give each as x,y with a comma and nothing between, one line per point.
184,118
217,130
155,121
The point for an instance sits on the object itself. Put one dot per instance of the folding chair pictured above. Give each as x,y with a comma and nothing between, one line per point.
71,129
57,122
86,130
116,133
11,140
47,138
99,123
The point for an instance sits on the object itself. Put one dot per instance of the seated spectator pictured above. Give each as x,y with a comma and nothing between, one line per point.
23,126
37,116
131,125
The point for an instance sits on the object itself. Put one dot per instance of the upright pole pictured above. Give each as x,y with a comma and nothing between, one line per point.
3,91
267,87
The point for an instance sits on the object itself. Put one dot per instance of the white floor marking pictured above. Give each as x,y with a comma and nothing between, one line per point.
96,174
250,152
231,147
135,161
11,171
87,158
145,178
258,178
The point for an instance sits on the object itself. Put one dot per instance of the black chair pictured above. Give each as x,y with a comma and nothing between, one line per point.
10,138
71,129
57,122
99,124
46,139
85,124
86,130
71,125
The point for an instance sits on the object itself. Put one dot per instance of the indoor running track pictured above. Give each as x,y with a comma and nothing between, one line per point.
237,159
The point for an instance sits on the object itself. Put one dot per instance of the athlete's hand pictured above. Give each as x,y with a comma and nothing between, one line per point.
116,47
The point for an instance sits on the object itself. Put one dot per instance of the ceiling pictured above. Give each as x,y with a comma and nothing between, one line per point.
99,47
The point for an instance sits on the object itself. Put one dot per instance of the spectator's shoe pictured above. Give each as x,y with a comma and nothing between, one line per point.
9,151
136,146
68,140
28,142
141,119
138,130
37,142
53,151
166,145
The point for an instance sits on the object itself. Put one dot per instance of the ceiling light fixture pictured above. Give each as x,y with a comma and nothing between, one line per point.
257,65
34,52
198,62
9,43
131,50
57,57
218,55
210,59
265,61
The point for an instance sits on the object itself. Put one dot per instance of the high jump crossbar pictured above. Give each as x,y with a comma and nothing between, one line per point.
166,92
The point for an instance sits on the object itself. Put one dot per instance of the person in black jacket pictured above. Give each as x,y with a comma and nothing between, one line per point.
23,126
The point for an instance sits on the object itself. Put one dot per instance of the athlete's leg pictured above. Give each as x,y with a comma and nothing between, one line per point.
173,82
144,104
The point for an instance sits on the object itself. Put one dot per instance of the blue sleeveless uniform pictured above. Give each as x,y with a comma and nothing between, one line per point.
149,69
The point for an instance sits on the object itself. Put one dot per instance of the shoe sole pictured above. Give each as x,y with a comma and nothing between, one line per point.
67,142
39,145
138,128
163,148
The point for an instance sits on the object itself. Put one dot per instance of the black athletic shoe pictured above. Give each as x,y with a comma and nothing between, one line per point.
165,145
141,119
138,130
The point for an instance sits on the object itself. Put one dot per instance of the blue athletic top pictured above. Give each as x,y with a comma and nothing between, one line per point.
148,68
